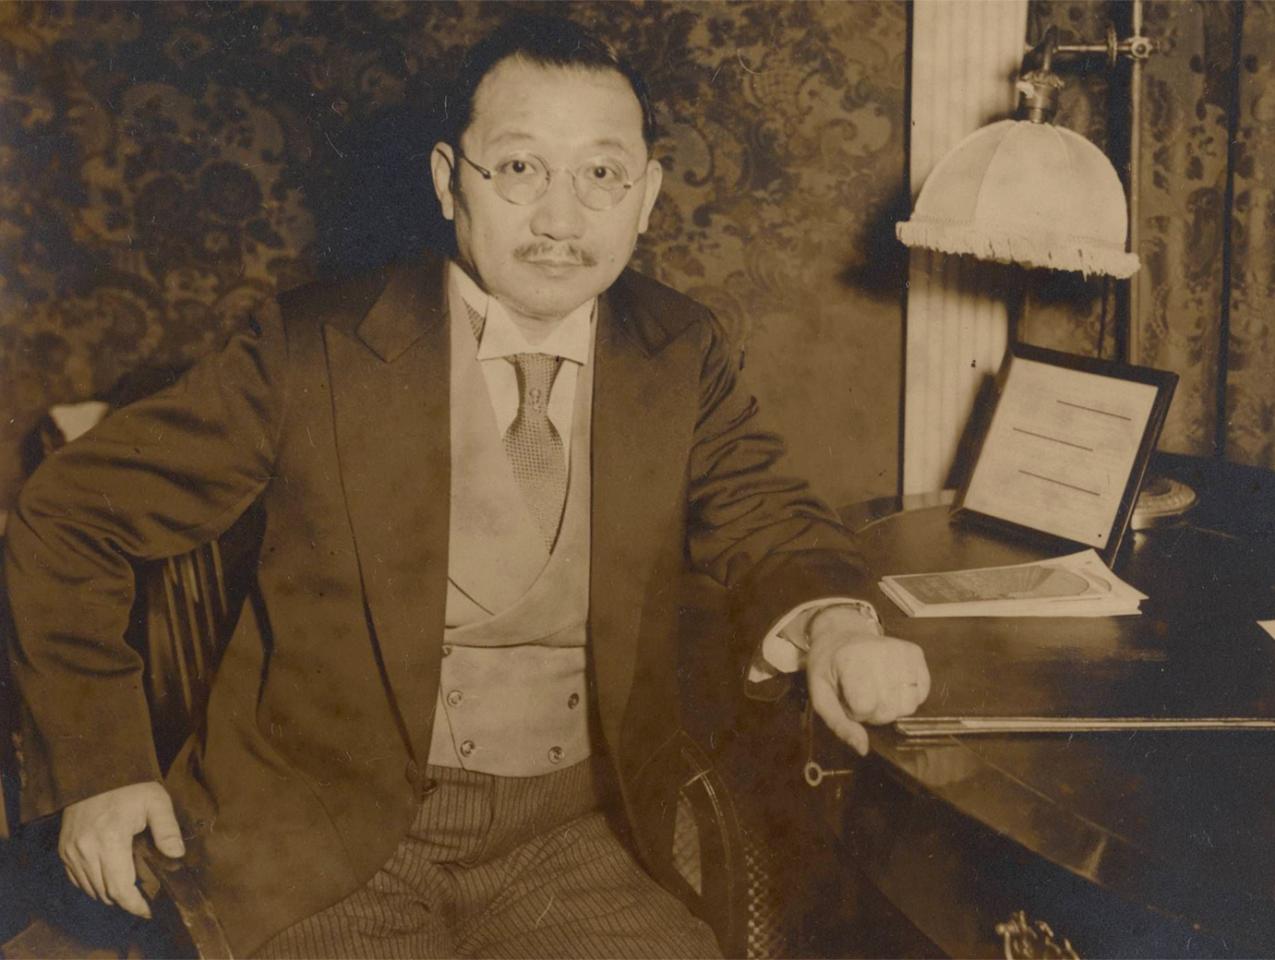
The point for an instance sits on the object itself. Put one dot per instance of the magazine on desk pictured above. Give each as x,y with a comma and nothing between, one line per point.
1077,585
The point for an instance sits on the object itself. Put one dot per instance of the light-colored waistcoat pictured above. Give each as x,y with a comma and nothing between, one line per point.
511,698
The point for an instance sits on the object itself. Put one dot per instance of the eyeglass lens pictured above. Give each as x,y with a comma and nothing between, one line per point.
600,183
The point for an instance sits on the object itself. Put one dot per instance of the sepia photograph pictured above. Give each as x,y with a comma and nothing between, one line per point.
637,478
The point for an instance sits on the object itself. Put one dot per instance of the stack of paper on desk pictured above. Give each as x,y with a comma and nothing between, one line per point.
1078,585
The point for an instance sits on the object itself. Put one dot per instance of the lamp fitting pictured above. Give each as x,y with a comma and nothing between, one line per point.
1038,95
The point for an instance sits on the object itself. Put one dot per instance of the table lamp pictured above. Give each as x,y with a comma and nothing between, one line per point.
1028,192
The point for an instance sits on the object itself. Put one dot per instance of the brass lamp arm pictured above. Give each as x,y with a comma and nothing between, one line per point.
1135,47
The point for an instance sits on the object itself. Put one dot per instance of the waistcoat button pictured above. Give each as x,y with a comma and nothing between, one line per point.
454,698
447,649
573,701
466,748
555,754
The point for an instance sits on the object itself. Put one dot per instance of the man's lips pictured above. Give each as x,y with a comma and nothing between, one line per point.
549,258
555,270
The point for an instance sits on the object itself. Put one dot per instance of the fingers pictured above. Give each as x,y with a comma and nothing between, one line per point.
163,825
876,691
909,699
879,680
862,693
909,696
920,673
874,680
79,858
103,868
96,842
91,864
827,704
77,876
120,877
914,687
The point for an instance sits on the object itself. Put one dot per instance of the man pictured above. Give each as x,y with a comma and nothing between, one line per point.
480,477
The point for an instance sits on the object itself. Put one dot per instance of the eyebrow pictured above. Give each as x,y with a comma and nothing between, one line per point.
612,142
506,136
519,136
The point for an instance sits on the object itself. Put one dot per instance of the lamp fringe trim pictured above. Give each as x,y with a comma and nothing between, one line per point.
1053,253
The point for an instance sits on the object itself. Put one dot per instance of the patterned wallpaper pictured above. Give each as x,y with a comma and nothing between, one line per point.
1250,338
164,167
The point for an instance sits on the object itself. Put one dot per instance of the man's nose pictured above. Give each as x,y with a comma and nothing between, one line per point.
559,213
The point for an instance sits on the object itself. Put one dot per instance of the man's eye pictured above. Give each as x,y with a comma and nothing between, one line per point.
605,175
517,167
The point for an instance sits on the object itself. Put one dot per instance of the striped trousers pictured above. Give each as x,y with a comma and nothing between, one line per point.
505,867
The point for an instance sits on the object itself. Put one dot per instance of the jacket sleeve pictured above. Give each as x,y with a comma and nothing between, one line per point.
764,536
154,479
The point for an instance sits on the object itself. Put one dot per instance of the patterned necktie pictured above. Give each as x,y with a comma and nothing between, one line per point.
532,443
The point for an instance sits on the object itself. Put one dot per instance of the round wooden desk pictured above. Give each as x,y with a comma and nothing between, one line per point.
1136,843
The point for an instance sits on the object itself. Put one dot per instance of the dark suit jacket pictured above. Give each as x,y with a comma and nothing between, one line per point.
333,412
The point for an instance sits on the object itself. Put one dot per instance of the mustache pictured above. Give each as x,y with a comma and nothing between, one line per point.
555,253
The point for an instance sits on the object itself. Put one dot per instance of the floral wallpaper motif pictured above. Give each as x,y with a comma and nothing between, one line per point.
1184,169
164,167
1250,367
1203,313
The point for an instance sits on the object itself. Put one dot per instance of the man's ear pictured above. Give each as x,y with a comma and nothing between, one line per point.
442,167
651,187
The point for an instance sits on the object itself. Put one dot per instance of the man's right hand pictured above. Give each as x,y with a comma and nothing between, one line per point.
96,844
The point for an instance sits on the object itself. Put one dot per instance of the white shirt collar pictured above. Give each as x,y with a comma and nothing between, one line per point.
570,338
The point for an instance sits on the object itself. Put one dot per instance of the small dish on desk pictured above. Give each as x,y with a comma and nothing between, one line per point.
1162,501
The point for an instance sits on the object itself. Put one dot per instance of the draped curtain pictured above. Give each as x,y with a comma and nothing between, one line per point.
1206,305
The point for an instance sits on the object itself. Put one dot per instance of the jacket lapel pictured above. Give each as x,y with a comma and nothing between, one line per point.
390,391
638,458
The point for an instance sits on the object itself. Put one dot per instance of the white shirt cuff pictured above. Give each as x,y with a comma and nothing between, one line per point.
783,650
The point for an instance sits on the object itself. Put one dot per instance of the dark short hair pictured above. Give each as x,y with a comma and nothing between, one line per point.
547,41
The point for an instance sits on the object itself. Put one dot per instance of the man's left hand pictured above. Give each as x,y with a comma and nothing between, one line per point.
857,677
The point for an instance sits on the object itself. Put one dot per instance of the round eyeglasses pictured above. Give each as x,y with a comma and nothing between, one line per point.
600,183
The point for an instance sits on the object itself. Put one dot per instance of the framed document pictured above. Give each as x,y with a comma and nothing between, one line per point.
1066,447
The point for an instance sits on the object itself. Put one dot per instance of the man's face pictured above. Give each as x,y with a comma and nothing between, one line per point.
544,259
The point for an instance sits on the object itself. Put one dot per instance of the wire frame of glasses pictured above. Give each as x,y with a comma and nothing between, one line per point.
600,183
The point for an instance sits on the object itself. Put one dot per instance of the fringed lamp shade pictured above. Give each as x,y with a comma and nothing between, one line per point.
1029,193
